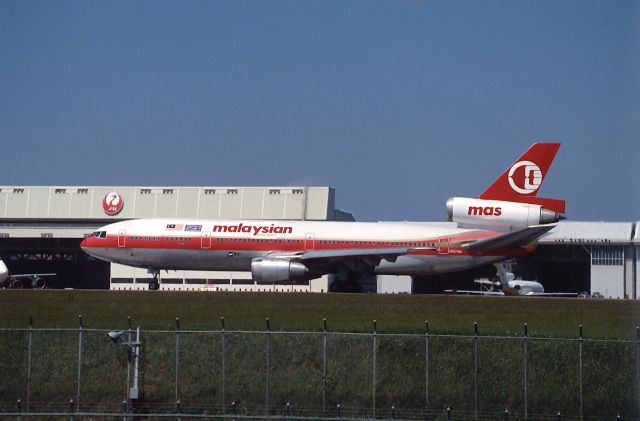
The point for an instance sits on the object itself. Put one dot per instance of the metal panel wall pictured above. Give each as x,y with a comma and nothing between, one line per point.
185,202
86,203
252,199
608,281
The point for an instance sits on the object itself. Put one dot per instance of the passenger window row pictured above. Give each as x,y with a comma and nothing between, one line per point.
257,240
378,243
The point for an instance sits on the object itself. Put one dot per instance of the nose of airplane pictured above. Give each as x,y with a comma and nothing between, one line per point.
84,244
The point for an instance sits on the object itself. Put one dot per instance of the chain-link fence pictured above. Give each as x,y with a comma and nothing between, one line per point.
315,375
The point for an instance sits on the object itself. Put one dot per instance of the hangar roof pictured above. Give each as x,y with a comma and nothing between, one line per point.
570,232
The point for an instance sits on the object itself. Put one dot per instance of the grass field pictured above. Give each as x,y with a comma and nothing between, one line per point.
546,317
295,368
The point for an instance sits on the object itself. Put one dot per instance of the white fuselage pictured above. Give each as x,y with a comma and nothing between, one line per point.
196,244
527,287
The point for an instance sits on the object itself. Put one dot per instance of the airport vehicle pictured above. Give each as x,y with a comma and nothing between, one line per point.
283,251
507,284
24,280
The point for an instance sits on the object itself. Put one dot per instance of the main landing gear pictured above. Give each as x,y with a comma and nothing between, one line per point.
346,281
154,284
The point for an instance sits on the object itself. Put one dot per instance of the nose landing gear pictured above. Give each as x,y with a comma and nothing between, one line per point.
154,284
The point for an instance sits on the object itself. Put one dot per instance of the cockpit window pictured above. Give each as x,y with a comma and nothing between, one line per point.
99,234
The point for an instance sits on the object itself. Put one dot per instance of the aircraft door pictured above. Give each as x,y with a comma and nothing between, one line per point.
443,246
309,241
122,238
205,240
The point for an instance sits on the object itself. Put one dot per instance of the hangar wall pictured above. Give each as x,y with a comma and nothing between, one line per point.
73,203
609,245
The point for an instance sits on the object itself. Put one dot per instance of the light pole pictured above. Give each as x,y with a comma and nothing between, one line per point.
133,350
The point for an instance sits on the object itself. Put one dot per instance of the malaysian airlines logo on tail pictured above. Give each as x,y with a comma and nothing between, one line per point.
522,180
532,177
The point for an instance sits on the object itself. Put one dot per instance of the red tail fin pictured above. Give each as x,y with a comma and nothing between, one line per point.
521,181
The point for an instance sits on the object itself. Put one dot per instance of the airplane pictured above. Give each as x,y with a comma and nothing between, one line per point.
507,284
33,280
286,251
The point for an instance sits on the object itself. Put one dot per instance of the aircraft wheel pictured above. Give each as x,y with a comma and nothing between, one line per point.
154,285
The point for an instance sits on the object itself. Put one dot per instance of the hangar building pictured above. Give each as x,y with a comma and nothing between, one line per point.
41,229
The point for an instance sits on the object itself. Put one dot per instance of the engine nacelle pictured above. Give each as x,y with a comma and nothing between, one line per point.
497,213
271,271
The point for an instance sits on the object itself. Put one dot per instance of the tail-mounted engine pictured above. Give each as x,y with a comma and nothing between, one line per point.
270,271
497,213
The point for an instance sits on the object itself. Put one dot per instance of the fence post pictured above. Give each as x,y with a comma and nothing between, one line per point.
177,356
580,362
71,411
124,410
375,346
126,392
426,362
475,370
19,409
234,410
638,368
268,333
79,360
324,366
29,361
222,350
338,410
525,369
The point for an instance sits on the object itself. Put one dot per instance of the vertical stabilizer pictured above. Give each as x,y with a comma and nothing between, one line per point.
522,180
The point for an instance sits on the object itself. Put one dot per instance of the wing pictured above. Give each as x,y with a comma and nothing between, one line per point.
509,240
386,254
31,275
354,259
551,294
473,292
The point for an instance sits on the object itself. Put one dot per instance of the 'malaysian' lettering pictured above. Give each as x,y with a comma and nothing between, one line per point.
253,229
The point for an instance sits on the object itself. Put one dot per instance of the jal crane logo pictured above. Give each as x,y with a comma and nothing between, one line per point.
529,179
112,203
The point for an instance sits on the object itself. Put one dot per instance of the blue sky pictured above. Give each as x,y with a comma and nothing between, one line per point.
397,104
